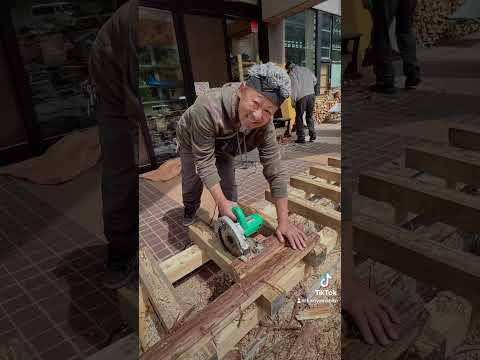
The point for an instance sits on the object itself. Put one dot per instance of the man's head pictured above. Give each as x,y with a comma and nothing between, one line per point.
262,94
289,66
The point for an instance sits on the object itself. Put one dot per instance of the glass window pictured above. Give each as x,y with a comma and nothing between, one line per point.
161,78
300,39
54,43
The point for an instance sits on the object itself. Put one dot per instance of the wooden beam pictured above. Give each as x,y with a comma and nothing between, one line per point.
208,323
418,256
328,173
317,213
332,192
183,263
334,162
317,256
465,137
436,203
168,307
206,239
447,162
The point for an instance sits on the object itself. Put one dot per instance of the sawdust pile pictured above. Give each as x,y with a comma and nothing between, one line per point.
433,26
323,104
197,293
283,337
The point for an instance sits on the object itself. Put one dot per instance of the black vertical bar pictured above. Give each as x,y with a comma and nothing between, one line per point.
227,49
21,82
263,42
184,54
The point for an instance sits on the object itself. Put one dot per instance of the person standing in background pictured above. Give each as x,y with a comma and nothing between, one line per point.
303,98
384,12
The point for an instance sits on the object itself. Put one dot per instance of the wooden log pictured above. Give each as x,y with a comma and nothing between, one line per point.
326,172
317,256
206,239
436,203
311,186
317,213
168,307
183,263
201,328
334,162
465,137
418,256
447,162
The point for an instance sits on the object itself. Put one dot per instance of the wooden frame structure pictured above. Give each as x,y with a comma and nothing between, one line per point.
444,200
260,287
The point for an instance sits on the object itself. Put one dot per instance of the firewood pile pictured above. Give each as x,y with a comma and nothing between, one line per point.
432,24
324,103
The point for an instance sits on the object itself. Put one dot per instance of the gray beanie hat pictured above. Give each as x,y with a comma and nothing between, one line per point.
271,81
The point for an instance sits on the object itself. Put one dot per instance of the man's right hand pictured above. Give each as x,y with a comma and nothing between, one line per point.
225,209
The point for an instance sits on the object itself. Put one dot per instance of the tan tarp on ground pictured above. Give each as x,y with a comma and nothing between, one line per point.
63,161
167,171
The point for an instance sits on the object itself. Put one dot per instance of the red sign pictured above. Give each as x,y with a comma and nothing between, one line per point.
254,26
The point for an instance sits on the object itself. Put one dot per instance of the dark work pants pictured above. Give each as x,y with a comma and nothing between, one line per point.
384,11
305,105
119,182
192,185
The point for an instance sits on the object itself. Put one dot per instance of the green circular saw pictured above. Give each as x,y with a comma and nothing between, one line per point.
235,236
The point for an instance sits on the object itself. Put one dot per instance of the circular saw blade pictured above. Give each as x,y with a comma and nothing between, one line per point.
231,235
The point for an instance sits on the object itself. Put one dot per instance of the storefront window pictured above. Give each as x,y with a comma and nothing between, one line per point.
54,40
300,39
161,78
329,50
243,46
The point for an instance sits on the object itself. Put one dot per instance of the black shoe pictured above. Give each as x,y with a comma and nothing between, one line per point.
118,275
189,216
412,82
300,141
312,138
380,88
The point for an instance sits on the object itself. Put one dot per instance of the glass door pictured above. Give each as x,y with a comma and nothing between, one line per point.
161,81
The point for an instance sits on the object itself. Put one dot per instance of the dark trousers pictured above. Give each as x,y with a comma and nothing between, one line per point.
384,11
192,185
119,182
305,105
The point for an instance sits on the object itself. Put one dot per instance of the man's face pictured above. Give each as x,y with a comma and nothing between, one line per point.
254,110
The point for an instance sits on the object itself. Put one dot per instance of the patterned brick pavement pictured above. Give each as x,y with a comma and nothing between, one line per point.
51,298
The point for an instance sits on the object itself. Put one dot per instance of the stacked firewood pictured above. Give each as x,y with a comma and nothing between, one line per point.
432,24
324,103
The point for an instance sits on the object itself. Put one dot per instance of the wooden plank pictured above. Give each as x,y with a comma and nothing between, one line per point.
125,348
312,186
418,256
334,162
317,213
326,172
232,334
205,239
436,203
465,137
168,307
183,263
201,328
447,162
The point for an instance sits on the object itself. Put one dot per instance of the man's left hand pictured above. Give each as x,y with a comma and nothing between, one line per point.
296,237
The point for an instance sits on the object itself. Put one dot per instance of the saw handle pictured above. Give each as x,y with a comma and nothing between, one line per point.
238,212
249,225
